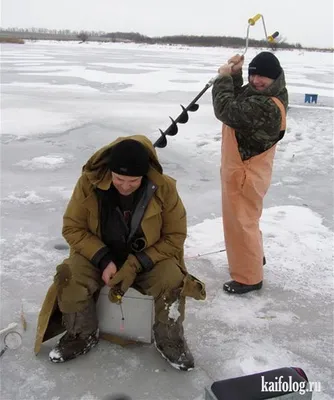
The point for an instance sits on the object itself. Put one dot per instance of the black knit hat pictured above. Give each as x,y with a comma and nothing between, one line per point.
129,158
265,64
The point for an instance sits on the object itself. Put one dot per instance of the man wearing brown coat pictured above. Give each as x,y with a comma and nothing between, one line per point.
126,226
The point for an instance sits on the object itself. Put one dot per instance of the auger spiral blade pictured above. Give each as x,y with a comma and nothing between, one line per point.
172,130
183,117
193,107
162,141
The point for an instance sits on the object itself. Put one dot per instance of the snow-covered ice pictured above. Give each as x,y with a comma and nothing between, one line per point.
61,102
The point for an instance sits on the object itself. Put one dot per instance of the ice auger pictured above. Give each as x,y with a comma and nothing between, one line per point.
183,117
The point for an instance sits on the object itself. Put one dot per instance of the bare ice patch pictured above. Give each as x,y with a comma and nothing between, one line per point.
31,121
46,86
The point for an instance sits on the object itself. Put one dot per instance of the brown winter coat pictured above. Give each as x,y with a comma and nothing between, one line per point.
163,224
81,221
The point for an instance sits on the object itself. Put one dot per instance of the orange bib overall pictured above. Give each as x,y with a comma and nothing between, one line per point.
244,185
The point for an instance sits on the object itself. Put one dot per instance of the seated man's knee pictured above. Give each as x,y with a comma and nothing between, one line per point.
63,276
74,289
168,275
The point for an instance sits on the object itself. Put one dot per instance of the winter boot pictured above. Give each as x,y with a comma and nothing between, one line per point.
171,344
234,287
81,335
168,331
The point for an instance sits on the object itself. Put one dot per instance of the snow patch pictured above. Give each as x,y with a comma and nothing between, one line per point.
55,355
32,253
298,248
205,237
50,161
174,312
88,396
64,192
26,197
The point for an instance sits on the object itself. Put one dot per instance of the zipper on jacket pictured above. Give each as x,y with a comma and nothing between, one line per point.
141,208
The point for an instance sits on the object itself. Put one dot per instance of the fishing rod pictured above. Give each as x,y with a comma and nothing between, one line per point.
204,254
183,117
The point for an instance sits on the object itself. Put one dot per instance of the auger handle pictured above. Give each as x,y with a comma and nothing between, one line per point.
272,37
253,20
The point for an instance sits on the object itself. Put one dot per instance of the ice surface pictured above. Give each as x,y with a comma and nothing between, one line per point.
29,121
61,102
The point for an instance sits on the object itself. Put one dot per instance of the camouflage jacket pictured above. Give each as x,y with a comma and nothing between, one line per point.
253,114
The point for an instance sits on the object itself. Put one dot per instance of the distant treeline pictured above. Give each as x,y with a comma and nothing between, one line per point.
187,40
191,40
65,32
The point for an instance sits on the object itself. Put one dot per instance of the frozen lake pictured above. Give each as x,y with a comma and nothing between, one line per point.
62,101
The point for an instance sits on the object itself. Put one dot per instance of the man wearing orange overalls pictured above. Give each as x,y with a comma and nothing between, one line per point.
254,120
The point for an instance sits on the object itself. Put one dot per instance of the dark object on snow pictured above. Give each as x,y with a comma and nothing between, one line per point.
283,383
61,246
116,397
311,98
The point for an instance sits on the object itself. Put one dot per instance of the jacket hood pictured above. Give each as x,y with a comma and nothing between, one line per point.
276,89
98,173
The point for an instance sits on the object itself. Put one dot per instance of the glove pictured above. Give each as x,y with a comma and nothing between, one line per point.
125,277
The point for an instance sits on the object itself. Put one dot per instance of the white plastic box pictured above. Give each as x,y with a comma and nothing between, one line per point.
138,311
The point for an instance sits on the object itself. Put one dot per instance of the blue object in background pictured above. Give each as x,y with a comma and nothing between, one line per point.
311,98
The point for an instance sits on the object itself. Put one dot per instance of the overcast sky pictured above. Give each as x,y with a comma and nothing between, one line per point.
307,22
